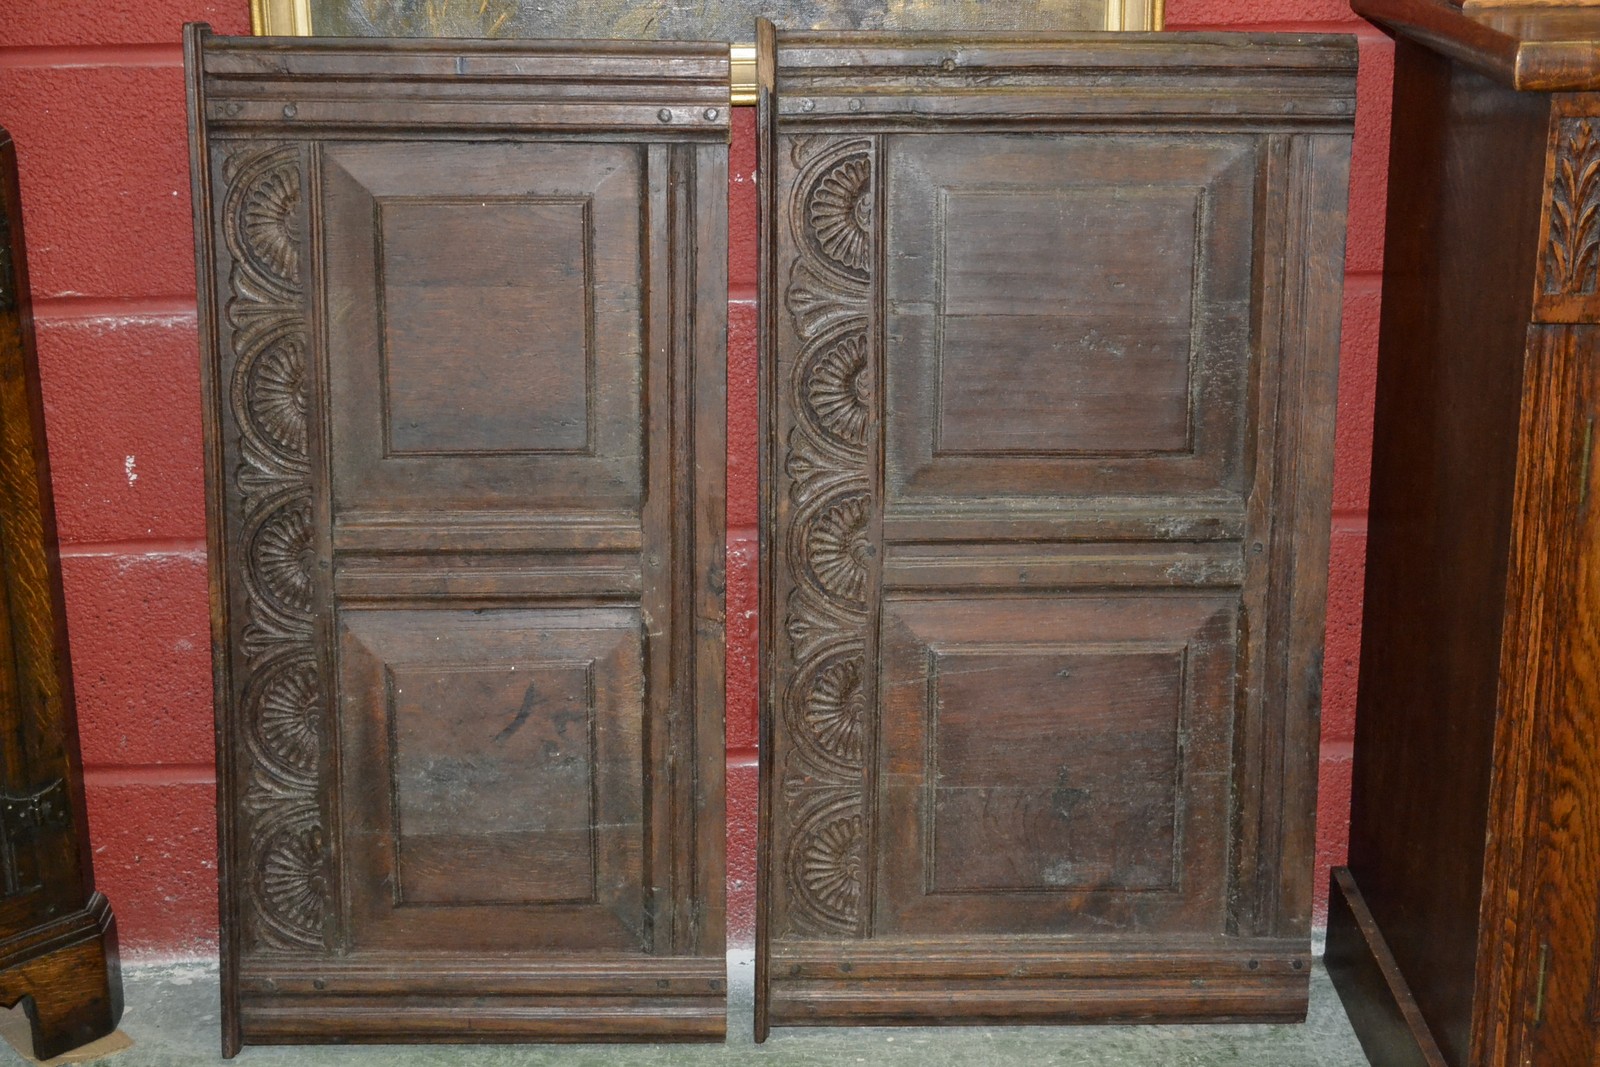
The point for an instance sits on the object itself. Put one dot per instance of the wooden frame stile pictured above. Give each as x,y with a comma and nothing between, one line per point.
207,323
767,317
455,510
1095,609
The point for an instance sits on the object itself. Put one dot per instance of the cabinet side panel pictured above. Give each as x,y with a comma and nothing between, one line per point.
1467,163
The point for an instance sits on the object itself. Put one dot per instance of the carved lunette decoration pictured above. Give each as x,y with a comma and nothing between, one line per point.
279,819
829,561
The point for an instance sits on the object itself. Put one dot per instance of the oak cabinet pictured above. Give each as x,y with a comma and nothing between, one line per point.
1050,332
463,308
1464,931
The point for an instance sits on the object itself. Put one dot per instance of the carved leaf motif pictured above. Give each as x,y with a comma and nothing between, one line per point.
810,626
1572,256
812,468
814,305
268,637
262,472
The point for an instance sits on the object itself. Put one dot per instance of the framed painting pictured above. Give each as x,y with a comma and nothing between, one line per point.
675,20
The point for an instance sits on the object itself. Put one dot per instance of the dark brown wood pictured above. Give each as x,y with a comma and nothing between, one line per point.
58,938
1376,997
1049,377
464,311
1472,846
1544,48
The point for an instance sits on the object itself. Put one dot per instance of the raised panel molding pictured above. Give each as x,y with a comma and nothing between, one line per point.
502,255
495,792
1086,333
530,258
978,765
1059,348
534,780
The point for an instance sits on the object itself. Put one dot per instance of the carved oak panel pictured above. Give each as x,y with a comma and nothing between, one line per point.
527,256
1049,387
465,406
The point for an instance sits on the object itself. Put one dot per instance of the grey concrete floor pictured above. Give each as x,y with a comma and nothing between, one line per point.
172,1017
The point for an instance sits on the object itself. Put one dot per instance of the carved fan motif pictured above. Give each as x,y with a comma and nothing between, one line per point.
839,391
828,558
838,214
267,222
830,868
286,716
276,394
282,556
284,701
839,548
289,871
834,707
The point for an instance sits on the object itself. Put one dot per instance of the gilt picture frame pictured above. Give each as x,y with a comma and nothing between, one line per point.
730,20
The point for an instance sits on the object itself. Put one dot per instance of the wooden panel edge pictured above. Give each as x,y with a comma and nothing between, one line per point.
1270,999
767,473
195,41
1375,995
476,1020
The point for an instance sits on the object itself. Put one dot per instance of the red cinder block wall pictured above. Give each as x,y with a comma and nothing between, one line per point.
92,90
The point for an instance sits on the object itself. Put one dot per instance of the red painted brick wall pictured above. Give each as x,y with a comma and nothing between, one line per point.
92,90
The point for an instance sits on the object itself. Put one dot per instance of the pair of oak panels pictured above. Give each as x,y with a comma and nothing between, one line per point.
1050,332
